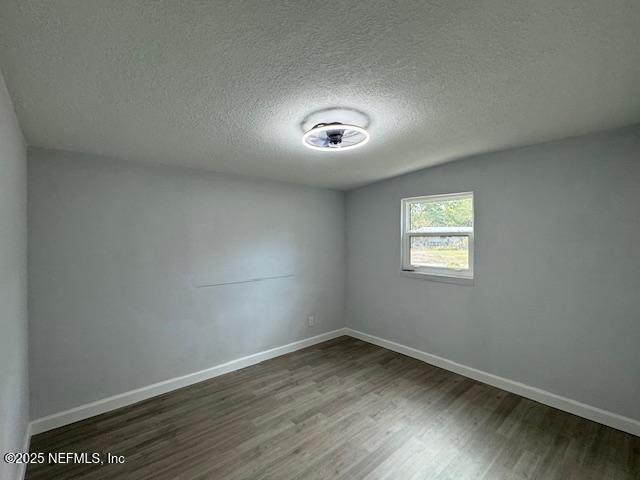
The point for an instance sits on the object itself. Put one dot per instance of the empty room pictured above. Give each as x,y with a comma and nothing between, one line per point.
289,240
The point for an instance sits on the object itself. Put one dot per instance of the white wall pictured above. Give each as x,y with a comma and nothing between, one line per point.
556,299
123,263
14,402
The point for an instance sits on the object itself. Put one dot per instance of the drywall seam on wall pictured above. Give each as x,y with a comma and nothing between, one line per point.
174,270
574,407
129,398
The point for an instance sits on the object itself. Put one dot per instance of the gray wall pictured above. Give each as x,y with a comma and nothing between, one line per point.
123,259
556,299
14,402
127,265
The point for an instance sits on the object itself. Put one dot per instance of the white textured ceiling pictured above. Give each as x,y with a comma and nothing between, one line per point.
226,85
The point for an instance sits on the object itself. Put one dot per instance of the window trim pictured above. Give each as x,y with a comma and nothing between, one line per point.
405,238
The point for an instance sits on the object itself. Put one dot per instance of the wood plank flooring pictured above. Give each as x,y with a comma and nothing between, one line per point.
344,409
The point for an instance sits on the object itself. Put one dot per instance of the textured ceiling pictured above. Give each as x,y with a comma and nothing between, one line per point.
226,85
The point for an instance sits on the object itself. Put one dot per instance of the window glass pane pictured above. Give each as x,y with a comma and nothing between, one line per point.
424,216
440,252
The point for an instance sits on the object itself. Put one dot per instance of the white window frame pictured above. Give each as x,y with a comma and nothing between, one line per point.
441,232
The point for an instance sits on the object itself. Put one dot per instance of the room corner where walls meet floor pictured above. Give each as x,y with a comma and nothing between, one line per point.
129,398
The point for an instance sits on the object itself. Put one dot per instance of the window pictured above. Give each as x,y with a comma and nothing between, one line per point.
437,235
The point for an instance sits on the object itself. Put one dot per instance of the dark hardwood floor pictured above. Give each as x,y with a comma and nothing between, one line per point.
344,409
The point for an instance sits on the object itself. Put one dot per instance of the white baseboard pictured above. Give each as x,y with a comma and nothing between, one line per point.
604,417
128,398
82,412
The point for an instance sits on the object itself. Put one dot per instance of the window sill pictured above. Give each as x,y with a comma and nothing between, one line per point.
438,278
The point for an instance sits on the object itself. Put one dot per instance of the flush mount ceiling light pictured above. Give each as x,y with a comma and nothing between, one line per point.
335,137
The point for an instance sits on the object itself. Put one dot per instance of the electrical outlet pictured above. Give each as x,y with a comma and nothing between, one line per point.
311,320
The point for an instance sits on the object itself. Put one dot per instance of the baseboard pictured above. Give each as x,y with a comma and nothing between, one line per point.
598,415
82,412
22,468
128,398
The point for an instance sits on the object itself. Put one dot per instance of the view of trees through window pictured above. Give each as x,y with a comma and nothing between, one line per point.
446,216
446,213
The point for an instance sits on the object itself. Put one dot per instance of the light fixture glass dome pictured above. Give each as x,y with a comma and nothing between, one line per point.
335,137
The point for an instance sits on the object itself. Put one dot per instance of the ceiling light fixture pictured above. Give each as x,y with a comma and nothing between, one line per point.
335,137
